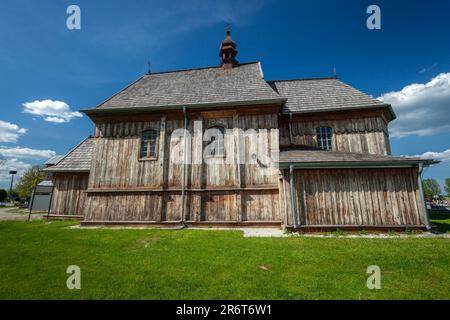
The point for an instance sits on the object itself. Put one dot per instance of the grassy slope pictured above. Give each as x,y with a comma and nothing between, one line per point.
206,264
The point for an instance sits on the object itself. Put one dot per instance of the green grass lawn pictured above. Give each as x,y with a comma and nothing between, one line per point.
441,221
208,264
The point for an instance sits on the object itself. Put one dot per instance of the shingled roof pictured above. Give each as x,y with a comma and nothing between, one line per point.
77,160
323,94
53,160
243,84
326,158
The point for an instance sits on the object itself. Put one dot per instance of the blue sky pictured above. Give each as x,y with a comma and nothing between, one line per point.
40,59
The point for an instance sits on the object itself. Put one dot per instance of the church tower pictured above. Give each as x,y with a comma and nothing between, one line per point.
228,51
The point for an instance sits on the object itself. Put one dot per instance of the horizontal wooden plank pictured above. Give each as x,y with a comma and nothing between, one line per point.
145,189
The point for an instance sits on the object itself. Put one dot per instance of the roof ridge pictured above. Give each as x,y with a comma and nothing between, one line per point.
199,68
304,79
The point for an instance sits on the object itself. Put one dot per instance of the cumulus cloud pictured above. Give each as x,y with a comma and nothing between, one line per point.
442,156
10,132
25,153
15,159
11,164
422,109
51,111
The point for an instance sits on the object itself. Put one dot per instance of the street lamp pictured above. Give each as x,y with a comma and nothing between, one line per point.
12,173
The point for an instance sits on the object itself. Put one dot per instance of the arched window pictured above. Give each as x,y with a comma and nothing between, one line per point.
148,144
324,137
215,138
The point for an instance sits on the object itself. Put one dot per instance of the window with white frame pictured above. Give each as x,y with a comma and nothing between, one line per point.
148,144
324,137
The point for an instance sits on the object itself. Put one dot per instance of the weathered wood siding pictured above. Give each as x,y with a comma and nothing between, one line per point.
69,194
200,206
359,134
123,187
368,197
116,164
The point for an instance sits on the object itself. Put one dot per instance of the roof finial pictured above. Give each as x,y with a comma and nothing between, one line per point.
228,51
334,73
149,65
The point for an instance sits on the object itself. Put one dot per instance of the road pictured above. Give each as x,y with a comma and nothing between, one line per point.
5,215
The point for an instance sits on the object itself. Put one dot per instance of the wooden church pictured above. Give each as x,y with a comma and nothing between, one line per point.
185,147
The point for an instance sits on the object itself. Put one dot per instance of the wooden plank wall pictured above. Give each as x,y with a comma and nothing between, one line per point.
69,193
361,135
372,197
116,163
215,191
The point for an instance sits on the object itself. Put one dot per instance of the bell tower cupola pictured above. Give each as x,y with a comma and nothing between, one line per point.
228,51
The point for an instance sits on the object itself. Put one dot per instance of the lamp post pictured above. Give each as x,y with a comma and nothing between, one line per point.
12,173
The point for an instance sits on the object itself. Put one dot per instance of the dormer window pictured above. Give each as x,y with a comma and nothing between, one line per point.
148,144
324,137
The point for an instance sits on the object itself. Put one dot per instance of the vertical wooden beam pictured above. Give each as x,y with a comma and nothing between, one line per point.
294,211
282,198
239,201
163,162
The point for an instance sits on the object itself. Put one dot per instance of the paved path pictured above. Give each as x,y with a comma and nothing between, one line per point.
5,215
264,232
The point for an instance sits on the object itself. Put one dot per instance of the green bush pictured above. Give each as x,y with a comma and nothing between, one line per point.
3,195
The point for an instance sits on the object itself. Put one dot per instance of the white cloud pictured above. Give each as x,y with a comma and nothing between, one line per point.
422,109
25,153
12,164
442,156
13,159
10,132
51,111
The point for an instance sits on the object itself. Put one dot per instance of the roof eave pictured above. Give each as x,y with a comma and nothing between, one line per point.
61,170
180,106
372,106
356,164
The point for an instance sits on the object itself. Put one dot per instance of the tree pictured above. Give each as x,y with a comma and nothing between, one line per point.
431,188
3,195
447,186
13,195
28,181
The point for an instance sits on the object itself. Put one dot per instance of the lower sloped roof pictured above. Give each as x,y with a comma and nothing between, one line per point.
325,158
77,160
